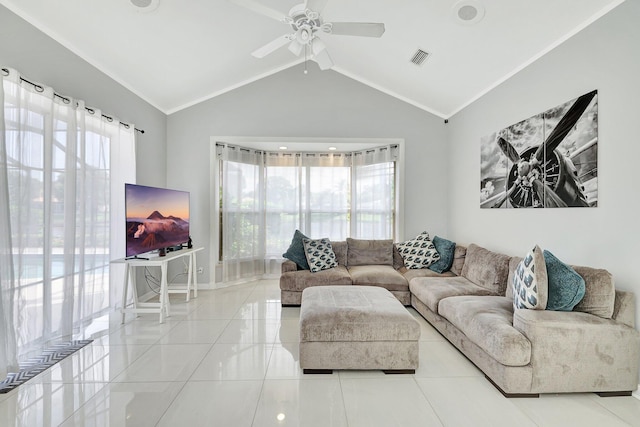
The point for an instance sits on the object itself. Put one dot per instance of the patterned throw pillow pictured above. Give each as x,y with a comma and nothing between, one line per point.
530,285
296,252
419,252
320,255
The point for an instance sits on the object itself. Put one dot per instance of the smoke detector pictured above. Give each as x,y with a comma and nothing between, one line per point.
468,12
144,6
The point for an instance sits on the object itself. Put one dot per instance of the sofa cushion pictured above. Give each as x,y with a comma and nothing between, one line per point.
340,249
459,256
378,275
398,262
513,265
488,322
423,272
599,294
486,269
296,252
297,281
566,287
369,252
446,249
530,284
430,290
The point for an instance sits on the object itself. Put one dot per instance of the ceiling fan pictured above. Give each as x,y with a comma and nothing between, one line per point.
307,24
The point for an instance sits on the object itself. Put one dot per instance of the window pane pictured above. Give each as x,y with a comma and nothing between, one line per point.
329,201
375,201
282,206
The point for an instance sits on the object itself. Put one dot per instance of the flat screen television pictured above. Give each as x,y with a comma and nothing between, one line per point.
156,218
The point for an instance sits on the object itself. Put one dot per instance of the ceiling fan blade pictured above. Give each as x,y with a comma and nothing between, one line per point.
565,125
322,58
261,9
508,150
271,46
315,5
547,195
362,29
296,47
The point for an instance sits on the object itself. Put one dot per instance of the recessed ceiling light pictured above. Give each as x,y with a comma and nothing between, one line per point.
468,12
144,6
333,148
282,147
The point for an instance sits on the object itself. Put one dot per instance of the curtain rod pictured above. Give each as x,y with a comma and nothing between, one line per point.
66,100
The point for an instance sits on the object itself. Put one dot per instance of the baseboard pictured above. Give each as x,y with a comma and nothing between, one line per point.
636,393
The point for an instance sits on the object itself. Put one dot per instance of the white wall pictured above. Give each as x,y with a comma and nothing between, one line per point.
319,104
41,59
604,57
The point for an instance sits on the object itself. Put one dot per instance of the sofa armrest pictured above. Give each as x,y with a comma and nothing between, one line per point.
288,265
574,351
624,309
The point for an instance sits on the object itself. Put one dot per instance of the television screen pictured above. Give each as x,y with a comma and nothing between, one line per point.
156,218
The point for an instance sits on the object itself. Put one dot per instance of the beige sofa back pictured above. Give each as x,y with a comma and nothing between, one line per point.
486,269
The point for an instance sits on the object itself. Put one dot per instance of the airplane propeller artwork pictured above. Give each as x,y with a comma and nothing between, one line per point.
542,176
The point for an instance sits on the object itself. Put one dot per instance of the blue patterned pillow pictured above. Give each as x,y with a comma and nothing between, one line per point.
530,284
320,255
446,249
566,286
295,252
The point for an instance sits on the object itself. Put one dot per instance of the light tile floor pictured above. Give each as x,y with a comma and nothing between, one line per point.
230,358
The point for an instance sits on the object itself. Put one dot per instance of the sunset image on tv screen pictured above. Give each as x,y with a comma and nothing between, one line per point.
156,218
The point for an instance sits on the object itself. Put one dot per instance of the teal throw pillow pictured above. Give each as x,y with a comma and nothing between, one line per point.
446,249
296,252
566,286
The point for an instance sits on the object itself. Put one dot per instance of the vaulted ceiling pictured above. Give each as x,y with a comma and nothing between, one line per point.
176,53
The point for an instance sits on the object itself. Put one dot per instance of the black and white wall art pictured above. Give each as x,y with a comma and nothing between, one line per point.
549,160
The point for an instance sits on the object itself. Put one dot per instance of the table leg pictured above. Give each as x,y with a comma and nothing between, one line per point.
189,276
195,275
125,287
164,293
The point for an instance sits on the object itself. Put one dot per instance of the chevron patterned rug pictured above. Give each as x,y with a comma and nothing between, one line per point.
33,367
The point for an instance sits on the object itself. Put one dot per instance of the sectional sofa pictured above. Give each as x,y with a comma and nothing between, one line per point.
593,348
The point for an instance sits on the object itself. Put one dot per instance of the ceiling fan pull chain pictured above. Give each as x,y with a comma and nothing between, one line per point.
305,58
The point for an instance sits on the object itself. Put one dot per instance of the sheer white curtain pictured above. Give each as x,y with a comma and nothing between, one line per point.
60,166
242,212
374,196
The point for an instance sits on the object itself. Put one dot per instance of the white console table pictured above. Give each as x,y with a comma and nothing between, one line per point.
163,306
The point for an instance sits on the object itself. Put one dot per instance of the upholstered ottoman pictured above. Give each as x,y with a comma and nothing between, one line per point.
356,327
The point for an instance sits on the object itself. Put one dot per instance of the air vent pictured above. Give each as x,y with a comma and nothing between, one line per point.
419,57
